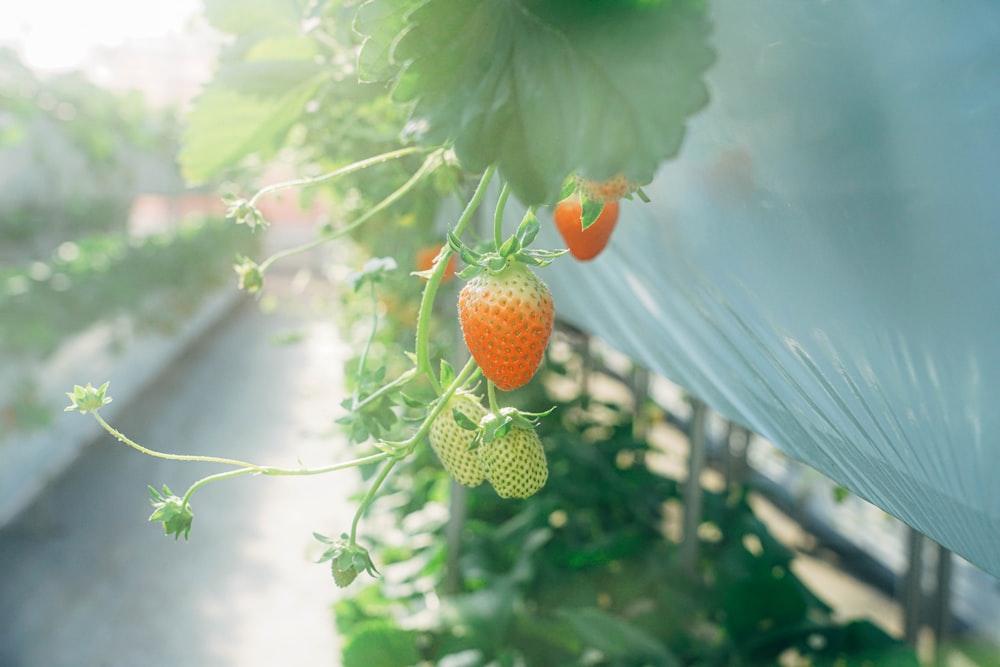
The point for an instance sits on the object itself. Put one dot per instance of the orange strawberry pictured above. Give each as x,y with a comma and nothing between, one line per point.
424,261
584,244
613,189
506,318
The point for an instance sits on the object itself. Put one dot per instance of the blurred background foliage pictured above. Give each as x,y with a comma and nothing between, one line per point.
74,157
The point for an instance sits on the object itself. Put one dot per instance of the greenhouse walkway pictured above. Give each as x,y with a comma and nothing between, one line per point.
85,580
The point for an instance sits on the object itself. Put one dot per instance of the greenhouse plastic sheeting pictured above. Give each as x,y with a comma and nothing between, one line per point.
820,262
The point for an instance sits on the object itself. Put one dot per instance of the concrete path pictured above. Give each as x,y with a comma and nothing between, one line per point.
85,581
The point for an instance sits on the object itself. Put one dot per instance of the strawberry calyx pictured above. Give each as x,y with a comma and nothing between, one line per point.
496,424
347,559
515,248
594,195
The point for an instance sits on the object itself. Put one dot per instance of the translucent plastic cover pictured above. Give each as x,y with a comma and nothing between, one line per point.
820,263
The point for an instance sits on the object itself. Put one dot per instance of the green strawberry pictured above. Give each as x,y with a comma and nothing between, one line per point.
515,464
452,443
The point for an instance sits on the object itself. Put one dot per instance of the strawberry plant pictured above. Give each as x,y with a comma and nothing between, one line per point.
530,100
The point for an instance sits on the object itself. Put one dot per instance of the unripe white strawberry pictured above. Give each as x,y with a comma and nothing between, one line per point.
515,464
451,442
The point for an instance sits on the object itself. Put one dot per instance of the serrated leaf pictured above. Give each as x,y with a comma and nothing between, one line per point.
546,89
382,21
226,126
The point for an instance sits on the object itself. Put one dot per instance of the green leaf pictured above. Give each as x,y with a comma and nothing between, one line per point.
382,21
528,229
447,375
464,421
616,637
591,211
270,77
225,127
239,16
545,89
379,643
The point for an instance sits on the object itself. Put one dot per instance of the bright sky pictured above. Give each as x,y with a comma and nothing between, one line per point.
58,34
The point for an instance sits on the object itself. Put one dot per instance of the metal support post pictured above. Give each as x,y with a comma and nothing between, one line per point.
912,594
941,613
693,493
640,390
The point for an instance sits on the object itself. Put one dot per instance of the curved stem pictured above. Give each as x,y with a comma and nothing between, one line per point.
357,166
434,282
429,165
322,470
498,216
460,379
371,336
212,478
284,472
401,380
370,496
121,437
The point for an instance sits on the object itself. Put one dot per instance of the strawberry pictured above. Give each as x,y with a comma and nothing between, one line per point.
613,189
506,319
584,244
515,464
452,443
424,261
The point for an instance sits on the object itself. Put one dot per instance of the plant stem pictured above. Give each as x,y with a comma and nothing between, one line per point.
121,437
212,478
284,472
403,378
429,165
370,496
498,216
491,392
406,447
434,282
343,171
368,343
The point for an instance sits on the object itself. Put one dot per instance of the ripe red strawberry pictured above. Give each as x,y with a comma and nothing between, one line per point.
506,319
584,244
424,261
515,464
452,443
613,189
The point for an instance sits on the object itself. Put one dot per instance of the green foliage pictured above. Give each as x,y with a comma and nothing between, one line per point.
581,573
157,279
543,88
380,643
